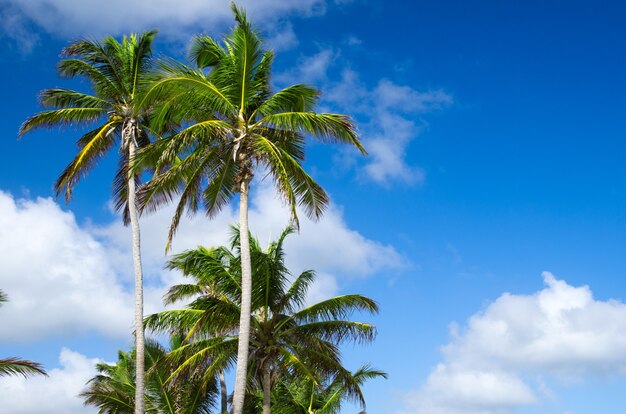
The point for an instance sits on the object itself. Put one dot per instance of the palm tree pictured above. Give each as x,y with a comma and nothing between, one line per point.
17,366
306,397
118,73
236,126
112,391
287,339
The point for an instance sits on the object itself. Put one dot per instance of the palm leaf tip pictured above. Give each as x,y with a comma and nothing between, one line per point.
239,12
17,366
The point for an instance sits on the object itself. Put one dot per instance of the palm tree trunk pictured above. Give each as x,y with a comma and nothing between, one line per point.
246,305
223,393
139,334
267,384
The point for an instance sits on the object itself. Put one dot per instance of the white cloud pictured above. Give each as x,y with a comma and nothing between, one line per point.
78,279
389,115
450,391
328,246
57,276
561,333
71,18
392,120
56,394
311,69
281,36
13,25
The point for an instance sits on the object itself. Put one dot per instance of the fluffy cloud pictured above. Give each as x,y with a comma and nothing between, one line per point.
561,333
78,278
58,393
58,277
329,246
390,114
71,18
311,69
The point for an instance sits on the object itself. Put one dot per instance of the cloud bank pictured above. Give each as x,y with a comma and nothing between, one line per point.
174,19
78,278
498,363
58,393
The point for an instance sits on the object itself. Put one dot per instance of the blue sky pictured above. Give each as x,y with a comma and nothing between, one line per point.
489,219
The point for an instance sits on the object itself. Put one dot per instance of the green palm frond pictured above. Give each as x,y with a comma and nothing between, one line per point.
295,98
23,367
102,84
205,52
60,98
338,331
325,127
295,297
338,307
61,117
95,144
177,78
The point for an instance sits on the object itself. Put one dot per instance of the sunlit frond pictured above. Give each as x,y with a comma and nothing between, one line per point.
23,367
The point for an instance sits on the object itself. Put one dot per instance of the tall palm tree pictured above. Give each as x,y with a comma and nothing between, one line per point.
236,126
287,339
112,391
118,73
17,366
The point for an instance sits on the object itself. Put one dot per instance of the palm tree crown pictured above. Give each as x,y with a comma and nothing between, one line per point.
235,126
118,74
287,338
113,389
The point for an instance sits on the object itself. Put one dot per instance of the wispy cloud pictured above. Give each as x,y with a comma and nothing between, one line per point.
174,19
502,361
14,25
390,115
391,118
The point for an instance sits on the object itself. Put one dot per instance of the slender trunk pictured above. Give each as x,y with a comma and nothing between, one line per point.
267,384
139,334
223,393
246,305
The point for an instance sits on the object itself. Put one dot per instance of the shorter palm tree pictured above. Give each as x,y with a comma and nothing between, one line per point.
113,390
17,366
287,339
306,397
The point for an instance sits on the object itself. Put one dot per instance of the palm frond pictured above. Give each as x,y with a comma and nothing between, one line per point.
324,127
338,331
338,307
23,367
59,97
61,117
295,98
95,144
205,52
